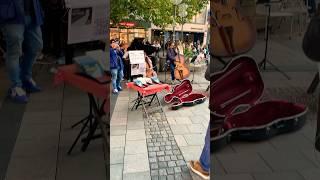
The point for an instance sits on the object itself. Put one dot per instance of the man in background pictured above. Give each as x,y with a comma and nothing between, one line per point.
116,66
20,26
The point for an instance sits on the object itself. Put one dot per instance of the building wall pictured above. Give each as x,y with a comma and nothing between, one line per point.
198,24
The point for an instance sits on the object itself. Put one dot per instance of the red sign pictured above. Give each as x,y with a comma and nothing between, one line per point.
128,24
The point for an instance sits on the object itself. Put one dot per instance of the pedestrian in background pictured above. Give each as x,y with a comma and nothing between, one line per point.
116,66
171,57
20,26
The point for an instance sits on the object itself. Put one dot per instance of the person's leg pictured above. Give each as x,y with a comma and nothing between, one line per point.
119,78
13,36
172,66
114,73
32,46
205,155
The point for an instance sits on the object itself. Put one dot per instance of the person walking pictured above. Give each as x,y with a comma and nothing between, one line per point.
116,66
20,26
171,57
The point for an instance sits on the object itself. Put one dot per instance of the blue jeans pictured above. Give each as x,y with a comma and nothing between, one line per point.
172,67
205,155
24,42
117,75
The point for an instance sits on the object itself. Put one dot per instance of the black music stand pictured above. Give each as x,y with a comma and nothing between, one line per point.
263,63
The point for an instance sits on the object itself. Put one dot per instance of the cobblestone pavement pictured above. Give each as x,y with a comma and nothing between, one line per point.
165,158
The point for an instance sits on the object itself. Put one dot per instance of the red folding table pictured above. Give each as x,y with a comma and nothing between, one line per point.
96,89
149,92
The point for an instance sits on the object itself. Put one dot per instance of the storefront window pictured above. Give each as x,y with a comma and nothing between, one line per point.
127,35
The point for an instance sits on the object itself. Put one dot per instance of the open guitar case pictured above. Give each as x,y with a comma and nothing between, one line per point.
182,95
237,112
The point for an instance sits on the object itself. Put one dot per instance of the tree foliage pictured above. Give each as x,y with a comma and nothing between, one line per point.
158,12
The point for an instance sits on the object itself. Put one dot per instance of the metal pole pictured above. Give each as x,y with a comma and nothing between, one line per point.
174,23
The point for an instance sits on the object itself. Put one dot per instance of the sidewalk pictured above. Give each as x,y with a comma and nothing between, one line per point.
159,147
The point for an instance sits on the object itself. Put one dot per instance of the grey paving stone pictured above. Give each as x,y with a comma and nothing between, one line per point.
171,164
117,141
131,147
154,172
288,142
161,158
137,134
170,177
154,166
162,164
76,165
167,158
153,160
162,172
170,170
160,153
116,155
136,163
285,161
310,174
116,171
179,129
216,167
177,170
155,178
181,163
152,154
252,147
118,130
196,128
137,176
278,176
243,163
233,177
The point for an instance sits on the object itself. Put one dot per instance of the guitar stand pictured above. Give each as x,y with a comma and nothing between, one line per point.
263,63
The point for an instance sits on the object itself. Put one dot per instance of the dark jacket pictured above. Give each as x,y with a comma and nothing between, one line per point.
114,55
12,12
171,55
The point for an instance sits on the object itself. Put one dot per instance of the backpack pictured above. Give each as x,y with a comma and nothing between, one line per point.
311,40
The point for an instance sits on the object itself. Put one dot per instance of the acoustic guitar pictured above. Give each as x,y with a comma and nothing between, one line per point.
232,33
181,72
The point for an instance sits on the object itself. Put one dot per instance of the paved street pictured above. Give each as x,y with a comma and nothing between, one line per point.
161,146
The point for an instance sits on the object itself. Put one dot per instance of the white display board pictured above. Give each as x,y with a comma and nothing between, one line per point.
137,61
87,20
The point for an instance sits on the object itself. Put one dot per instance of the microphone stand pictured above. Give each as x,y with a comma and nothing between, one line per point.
263,63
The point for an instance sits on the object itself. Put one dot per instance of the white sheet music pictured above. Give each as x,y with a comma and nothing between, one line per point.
87,20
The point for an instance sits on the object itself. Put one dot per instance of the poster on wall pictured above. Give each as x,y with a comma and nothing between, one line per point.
87,20
137,61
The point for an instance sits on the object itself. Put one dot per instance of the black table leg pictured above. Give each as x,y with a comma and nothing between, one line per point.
98,113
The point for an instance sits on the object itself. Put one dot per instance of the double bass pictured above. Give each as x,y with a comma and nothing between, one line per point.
181,71
232,33
149,68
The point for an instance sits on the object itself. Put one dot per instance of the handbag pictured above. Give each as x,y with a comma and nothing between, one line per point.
7,10
311,40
